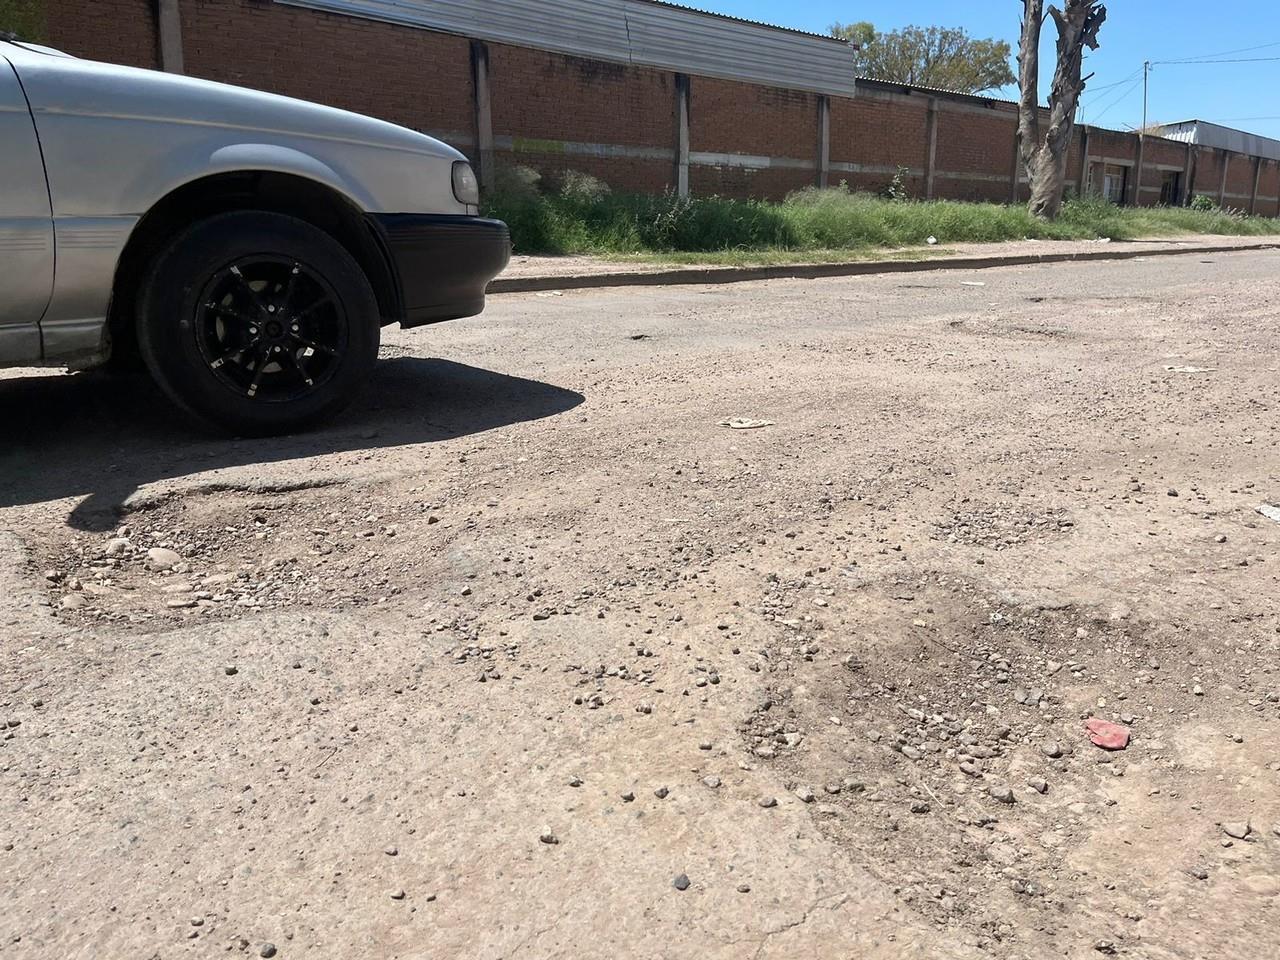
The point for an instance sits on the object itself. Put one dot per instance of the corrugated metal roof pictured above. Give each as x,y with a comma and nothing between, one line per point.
1206,134
899,86
667,36
643,32
755,23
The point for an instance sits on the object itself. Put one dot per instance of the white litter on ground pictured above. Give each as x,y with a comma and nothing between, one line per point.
1269,511
745,423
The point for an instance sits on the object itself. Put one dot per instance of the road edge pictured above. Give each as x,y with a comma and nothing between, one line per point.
816,271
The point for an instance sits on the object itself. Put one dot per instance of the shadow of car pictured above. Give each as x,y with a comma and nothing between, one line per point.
101,437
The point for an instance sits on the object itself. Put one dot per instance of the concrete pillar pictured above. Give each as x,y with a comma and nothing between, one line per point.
824,140
483,113
1014,194
170,22
1222,187
682,134
1257,176
1189,177
1085,169
931,155
1137,171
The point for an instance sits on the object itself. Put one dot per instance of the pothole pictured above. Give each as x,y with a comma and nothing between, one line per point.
222,553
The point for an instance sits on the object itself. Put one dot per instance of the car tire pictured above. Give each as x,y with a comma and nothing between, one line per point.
258,323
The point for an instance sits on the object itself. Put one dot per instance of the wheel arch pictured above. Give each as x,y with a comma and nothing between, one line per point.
304,197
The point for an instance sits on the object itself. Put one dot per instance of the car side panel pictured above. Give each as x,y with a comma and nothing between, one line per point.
26,232
117,140
88,250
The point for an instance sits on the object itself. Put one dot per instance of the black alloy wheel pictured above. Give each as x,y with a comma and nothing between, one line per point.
258,323
271,328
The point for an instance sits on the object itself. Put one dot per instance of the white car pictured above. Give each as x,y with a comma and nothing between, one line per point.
247,247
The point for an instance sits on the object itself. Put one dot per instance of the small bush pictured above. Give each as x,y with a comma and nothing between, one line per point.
522,181
582,187
1202,203
897,188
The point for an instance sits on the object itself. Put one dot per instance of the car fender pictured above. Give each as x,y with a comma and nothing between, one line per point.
187,166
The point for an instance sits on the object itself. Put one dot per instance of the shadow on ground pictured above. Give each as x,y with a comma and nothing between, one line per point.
100,437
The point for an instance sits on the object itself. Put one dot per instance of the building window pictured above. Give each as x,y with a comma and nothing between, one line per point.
1115,180
1171,188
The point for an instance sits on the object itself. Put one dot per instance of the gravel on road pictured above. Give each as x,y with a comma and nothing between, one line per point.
530,655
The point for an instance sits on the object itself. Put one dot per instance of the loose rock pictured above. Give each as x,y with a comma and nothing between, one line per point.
162,558
1002,793
1237,829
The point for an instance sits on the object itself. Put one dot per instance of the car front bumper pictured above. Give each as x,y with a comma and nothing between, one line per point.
442,263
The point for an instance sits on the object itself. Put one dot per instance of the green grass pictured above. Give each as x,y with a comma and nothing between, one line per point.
777,258
583,217
26,18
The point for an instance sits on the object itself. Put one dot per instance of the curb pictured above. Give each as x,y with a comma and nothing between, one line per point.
700,275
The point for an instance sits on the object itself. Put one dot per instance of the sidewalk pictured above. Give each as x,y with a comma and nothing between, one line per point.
529,273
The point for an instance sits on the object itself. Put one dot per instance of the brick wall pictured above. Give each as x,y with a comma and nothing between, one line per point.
978,143
618,122
553,109
730,117
1269,189
1239,181
751,121
1157,156
1113,145
414,78
118,31
1208,170
879,132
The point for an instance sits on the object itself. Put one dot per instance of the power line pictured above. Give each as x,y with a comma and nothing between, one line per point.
1223,53
1108,86
1120,94
1116,100
1196,63
1129,83
1087,108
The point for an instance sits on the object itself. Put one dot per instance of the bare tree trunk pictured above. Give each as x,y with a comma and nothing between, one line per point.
1044,152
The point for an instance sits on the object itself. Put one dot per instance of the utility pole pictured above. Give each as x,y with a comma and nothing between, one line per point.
1146,69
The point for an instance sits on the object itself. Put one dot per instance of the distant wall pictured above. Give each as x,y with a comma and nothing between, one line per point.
622,123
118,31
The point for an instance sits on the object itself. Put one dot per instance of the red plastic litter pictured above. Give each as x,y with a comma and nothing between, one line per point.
1107,735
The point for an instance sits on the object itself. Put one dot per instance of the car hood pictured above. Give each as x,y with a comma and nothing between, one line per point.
60,84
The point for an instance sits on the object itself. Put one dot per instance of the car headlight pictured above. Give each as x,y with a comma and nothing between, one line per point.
465,186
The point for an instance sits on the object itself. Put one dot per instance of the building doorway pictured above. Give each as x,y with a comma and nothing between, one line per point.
1115,182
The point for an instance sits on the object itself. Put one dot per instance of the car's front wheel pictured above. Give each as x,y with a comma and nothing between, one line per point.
258,323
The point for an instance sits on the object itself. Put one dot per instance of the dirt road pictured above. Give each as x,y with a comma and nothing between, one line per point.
530,657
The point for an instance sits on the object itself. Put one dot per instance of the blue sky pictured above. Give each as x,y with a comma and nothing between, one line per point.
1232,93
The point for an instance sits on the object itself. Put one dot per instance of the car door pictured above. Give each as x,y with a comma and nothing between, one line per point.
26,226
